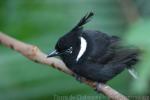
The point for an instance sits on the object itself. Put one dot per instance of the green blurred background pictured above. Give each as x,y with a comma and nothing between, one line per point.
42,22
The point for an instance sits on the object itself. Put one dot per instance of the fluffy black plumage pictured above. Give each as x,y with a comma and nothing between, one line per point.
100,58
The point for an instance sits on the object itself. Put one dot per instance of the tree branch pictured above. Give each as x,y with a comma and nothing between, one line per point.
33,53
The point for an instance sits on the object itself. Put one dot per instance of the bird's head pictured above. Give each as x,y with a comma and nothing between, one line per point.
70,44
67,45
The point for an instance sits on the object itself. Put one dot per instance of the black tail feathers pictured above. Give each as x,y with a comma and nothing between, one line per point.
84,20
125,56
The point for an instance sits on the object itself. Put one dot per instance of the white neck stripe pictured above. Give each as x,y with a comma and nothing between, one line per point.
83,47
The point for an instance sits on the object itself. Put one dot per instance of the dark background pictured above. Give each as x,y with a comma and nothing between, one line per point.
42,22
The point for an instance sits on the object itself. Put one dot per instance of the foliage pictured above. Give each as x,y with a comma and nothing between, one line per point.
138,35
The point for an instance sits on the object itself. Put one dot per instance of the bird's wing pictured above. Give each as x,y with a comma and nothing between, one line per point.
99,46
107,49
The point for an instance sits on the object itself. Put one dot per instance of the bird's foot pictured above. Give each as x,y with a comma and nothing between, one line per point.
78,78
97,88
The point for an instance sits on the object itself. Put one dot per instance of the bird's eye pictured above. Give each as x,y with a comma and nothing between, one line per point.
69,50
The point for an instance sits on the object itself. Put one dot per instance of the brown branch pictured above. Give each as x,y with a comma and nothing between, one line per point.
34,54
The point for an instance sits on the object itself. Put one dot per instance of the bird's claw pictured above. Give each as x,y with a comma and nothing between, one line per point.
78,78
97,88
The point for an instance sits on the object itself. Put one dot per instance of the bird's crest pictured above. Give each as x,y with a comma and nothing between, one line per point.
83,21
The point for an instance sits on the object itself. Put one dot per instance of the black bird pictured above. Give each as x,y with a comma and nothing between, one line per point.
94,55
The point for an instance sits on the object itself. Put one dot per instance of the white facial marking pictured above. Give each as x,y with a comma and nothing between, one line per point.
83,47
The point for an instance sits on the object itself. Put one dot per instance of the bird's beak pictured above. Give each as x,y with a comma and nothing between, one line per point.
54,53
